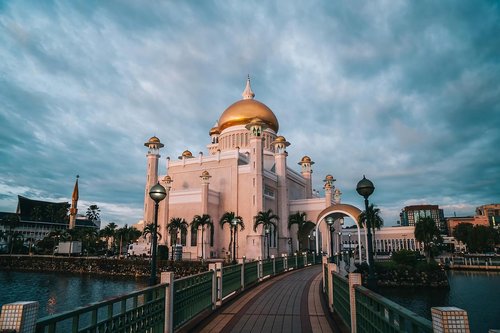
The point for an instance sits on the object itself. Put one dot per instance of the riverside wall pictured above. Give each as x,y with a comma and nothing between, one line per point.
98,266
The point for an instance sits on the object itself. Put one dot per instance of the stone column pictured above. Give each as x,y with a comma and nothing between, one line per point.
280,156
19,316
449,319
168,279
354,280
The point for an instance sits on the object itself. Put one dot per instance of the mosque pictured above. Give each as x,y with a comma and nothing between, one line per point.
246,171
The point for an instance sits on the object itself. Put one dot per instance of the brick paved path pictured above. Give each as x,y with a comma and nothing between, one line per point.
287,303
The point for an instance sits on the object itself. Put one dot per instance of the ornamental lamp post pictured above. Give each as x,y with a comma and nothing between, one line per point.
365,188
157,193
330,221
234,224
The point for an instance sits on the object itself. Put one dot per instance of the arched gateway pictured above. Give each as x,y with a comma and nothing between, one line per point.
337,211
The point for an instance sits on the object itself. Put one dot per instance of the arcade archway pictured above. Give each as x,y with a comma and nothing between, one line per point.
338,211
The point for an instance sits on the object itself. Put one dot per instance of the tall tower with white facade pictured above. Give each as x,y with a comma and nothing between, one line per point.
153,156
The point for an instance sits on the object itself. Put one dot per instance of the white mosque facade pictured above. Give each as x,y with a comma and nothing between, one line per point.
245,171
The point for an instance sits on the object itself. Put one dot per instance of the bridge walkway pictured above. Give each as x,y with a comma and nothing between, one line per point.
287,303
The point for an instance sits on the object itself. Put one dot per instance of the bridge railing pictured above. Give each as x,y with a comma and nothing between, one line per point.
170,306
140,309
362,310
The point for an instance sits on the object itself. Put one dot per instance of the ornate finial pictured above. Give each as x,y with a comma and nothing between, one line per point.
248,93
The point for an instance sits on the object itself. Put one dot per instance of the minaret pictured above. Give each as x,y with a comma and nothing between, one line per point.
256,128
153,155
205,182
74,203
280,155
306,172
165,208
329,188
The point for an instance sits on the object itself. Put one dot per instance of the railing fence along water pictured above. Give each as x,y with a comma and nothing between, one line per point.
167,307
362,310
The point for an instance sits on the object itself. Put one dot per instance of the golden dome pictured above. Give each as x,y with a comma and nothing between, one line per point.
242,113
154,140
167,179
280,138
214,130
186,154
329,177
306,159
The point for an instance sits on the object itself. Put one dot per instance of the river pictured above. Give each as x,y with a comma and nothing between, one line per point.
477,292
62,292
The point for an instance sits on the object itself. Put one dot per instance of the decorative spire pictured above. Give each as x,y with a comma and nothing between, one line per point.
74,197
248,93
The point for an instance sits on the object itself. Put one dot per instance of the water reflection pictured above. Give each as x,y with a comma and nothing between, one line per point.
62,292
476,292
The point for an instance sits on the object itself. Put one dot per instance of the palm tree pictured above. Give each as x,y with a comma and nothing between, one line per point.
427,232
268,220
376,222
149,229
110,232
229,217
176,224
203,221
304,226
93,213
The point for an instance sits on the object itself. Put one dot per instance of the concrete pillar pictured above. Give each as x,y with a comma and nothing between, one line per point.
354,280
242,262
168,278
216,283
274,264
330,270
285,262
19,316
449,319
280,156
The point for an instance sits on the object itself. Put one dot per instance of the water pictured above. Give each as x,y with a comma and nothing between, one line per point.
476,292
62,292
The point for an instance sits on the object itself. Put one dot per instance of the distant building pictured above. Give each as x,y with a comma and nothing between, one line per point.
410,215
35,219
492,212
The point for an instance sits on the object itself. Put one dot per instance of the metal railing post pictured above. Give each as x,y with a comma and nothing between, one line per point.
324,262
168,278
274,264
296,261
260,272
285,262
305,258
354,280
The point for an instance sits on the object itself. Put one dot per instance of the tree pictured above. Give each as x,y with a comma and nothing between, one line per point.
176,224
109,232
228,218
463,232
149,230
93,213
427,233
478,238
268,220
376,222
202,221
304,226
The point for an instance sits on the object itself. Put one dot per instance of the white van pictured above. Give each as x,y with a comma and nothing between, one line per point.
139,249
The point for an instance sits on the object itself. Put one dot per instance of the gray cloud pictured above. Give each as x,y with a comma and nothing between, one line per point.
404,92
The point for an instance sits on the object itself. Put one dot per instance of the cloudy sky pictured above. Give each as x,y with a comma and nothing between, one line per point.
406,92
